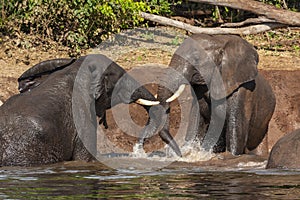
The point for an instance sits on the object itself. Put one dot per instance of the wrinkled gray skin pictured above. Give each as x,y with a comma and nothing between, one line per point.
36,127
285,153
39,72
245,104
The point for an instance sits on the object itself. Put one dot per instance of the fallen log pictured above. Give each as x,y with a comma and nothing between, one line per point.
254,29
258,20
280,15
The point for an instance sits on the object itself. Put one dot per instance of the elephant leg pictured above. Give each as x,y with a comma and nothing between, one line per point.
195,122
199,115
214,137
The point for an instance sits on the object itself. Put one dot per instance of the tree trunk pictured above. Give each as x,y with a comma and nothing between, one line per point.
269,11
193,29
259,20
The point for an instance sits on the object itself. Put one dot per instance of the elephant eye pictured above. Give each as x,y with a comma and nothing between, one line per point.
197,79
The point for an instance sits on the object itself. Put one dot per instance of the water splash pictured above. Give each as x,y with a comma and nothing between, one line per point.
138,151
192,152
250,164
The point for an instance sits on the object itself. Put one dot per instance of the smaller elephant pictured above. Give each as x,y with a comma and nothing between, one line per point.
39,72
286,152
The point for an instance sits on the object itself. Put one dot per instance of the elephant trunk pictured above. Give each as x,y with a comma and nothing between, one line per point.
158,118
166,94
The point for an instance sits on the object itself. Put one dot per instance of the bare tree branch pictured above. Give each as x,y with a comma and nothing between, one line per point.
280,15
193,29
258,20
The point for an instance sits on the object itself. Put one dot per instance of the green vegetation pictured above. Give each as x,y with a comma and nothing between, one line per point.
84,23
76,23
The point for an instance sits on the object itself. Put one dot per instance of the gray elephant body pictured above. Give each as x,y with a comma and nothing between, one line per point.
286,152
233,103
37,126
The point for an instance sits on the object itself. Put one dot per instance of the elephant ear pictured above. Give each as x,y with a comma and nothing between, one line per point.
238,66
46,67
35,75
99,67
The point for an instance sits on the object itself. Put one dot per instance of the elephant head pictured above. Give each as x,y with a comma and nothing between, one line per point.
112,86
215,66
215,60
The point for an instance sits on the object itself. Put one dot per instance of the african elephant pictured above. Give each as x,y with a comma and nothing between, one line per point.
232,102
286,152
37,126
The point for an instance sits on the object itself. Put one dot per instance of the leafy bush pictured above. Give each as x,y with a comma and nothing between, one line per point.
84,23
75,23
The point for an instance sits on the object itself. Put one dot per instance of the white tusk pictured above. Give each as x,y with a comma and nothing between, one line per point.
176,94
147,102
156,96
1,103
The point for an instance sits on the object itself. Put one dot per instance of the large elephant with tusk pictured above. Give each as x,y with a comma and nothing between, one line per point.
38,126
232,102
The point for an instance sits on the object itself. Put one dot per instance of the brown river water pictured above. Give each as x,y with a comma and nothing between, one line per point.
221,177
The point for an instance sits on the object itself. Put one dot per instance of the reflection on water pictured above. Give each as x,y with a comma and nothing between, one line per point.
73,180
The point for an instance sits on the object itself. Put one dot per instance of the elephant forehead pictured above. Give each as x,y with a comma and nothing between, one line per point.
201,53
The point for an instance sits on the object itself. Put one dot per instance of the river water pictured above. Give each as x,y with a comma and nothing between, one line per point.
242,179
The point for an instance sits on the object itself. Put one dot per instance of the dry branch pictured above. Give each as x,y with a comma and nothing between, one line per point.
258,20
269,11
193,29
